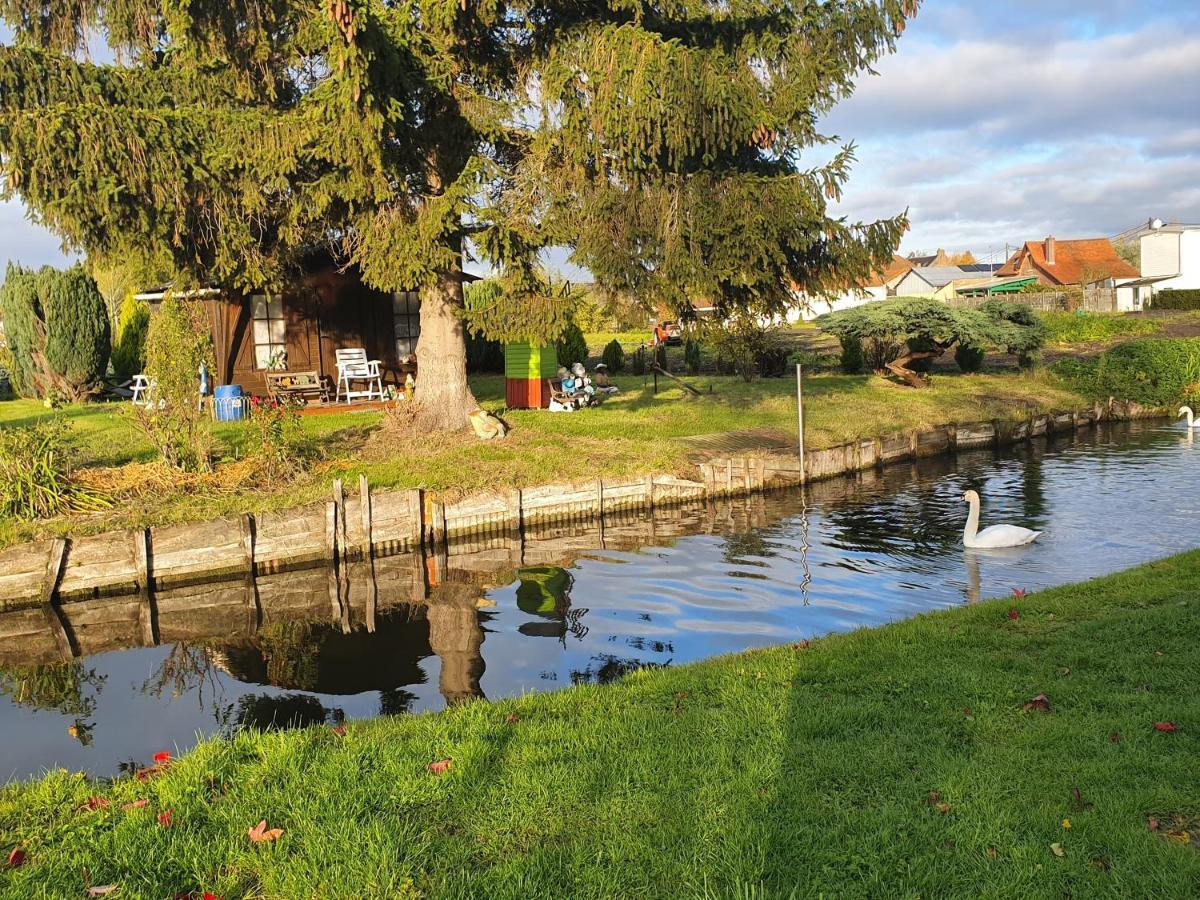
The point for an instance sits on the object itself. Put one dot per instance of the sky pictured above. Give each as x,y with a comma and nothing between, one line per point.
994,123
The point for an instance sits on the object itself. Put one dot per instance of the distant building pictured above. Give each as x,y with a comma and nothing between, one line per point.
1089,263
929,280
1086,263
939,260
879,286
1170,257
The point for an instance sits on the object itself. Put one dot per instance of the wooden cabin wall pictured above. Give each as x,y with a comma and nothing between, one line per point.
330,311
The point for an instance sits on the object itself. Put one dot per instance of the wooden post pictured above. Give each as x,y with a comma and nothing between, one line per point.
141,560
54,621
364,507
54,567
331,541
339,499
246,539
800,420
141,557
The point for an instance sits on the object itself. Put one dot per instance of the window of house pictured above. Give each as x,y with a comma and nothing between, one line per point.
270,332
406,316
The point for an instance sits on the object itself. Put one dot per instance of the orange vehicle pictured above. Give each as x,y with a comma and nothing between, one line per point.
667,333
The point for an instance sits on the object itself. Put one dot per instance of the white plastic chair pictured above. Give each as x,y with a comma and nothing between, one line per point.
353,366
140,385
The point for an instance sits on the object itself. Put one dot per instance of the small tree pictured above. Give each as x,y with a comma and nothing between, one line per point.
614,356
924,329
743,344
177,344
571,346
129,349
57,329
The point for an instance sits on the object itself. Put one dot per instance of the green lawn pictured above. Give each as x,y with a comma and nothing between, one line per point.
633,432
893,762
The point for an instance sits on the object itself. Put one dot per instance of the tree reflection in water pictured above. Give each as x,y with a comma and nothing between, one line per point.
71,689
188,668
270,712
610,668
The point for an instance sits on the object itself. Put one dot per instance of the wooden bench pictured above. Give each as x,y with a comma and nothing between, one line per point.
306,386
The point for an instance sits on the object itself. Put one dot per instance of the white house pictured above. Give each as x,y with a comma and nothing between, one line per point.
1170,258
879,286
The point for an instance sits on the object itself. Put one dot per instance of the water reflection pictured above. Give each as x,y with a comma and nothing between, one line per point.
579,602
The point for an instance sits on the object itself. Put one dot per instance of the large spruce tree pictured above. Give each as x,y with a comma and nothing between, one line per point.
664,142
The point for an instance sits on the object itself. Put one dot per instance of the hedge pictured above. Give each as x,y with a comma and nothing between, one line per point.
1177,299
1150,372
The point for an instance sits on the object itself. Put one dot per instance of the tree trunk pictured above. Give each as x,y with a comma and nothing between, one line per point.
900,367
443,397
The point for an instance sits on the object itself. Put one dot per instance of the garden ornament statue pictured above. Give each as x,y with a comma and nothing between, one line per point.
1192,421
996,536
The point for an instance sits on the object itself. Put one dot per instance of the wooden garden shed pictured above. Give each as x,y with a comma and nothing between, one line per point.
328,309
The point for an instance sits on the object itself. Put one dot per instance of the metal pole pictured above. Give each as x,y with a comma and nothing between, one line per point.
800,421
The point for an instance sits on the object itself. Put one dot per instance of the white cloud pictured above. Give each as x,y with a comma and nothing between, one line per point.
991,140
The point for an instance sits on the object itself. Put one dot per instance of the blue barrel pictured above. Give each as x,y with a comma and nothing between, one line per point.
228,403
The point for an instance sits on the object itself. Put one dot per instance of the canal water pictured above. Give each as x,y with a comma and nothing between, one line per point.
590,603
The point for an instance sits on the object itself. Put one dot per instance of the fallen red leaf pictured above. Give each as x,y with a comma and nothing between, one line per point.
967,711
164,818
260,833
94,803
150,771
1019,592
512,718
162,756
16,858
136,804
441,767
1041,703
1013,614
802,645
339,730
1152,823
208,895
1115,737
1164,726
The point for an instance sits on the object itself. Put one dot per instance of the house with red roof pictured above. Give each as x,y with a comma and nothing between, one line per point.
1086,263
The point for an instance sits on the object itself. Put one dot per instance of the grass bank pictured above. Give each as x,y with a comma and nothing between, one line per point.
902,761
634,432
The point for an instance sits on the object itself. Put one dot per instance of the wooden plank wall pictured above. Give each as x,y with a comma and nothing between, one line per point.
371,524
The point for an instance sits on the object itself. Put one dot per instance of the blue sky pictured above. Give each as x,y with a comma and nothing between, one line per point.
995,123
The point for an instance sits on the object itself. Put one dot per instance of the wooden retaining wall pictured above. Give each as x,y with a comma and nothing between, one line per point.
378,524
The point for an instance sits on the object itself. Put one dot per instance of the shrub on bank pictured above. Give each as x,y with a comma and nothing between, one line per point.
56,325
614,356
1177,299
1150,372
1086,328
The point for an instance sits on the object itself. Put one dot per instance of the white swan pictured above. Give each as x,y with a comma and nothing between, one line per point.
997,535
1192,421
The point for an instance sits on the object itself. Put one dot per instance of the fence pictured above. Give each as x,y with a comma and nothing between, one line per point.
1101,300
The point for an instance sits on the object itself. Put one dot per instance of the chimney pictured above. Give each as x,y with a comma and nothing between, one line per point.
1050,250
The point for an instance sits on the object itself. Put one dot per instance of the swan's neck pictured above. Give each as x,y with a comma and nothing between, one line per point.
1191,417
972,522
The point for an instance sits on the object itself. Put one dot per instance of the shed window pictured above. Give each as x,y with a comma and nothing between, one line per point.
270,332
406,316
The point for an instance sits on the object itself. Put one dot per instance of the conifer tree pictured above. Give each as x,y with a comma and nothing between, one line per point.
665,144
